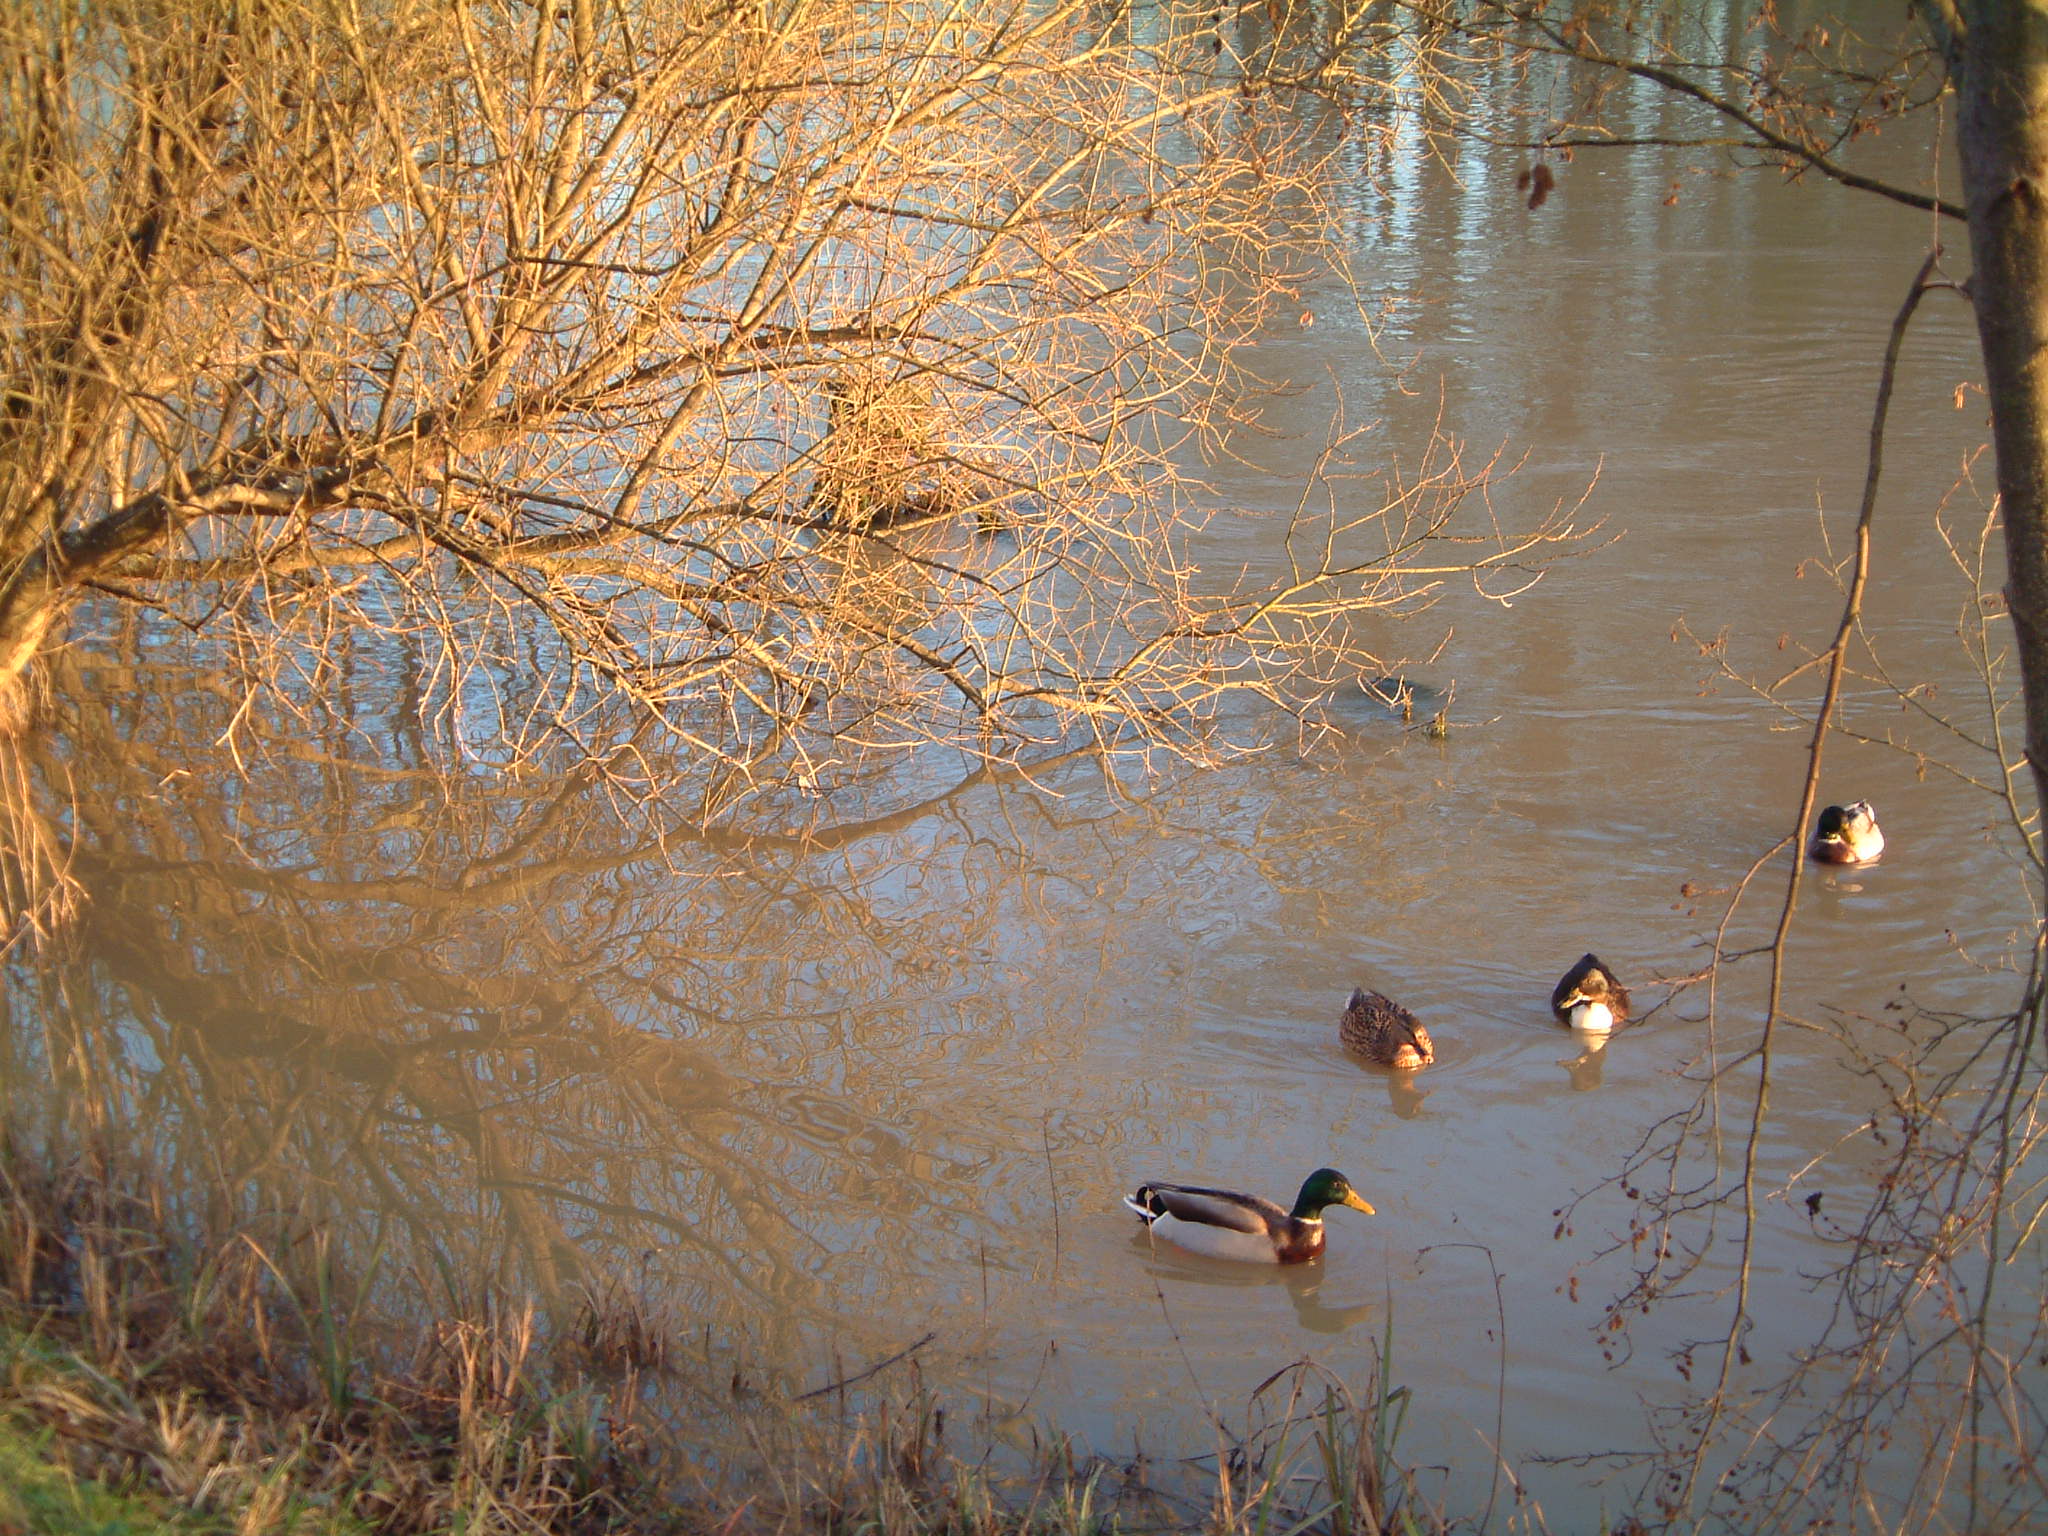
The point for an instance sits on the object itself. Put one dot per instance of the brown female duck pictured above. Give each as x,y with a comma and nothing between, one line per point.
1381,1030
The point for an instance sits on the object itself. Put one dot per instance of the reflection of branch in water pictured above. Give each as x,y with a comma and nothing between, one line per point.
879,1366
514,1028
38,893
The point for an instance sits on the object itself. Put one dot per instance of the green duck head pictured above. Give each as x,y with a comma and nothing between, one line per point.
1326,1186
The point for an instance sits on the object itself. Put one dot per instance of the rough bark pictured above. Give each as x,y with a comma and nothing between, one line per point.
2002,77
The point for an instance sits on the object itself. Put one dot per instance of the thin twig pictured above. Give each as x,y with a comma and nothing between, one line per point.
880,1365
1732,1347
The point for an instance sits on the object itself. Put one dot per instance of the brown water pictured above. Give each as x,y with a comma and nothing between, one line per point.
817,1101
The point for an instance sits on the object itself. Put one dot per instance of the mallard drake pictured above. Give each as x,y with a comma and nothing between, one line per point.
1847,834
1381,1030
1590,997
1226,1225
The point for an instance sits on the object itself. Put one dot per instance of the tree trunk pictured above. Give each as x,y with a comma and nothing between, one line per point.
2003,135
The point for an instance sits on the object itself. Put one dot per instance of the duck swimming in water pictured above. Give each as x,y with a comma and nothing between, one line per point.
1589,997
1227,1225
1381,1030
1847,834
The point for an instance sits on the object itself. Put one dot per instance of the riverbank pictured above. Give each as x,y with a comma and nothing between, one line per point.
166,1369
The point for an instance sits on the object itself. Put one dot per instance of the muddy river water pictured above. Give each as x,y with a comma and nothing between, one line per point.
819,1101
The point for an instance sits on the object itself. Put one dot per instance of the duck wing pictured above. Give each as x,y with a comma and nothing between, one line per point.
1209,1207
1368,1009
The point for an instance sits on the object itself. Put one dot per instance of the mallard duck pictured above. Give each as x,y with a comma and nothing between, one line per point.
1381,1030
1847,834
1590,997
1226,1225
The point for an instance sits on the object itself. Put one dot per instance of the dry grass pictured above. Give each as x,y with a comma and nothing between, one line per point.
160,1372
241,1378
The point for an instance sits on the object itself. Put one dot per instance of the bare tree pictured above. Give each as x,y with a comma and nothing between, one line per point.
811,379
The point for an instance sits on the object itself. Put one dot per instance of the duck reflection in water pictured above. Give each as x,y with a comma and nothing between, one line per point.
1404,1094
1585,1068
1304,1284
